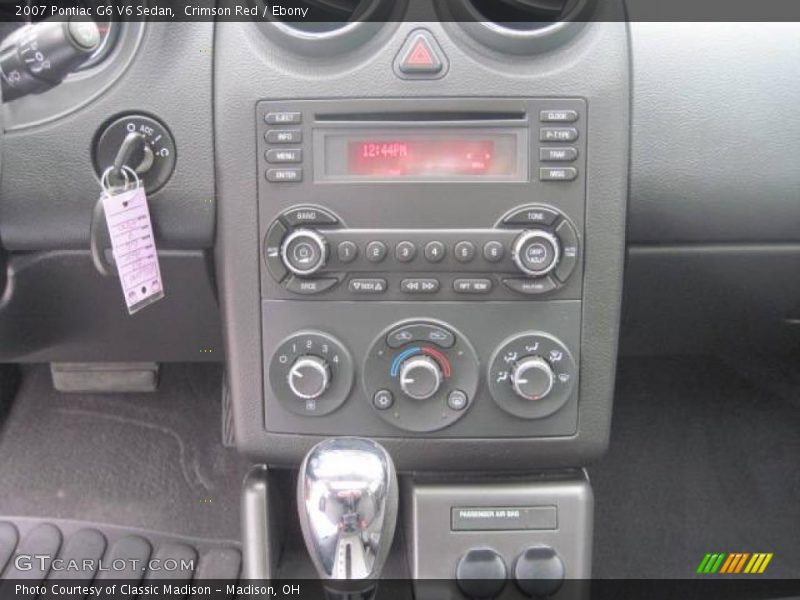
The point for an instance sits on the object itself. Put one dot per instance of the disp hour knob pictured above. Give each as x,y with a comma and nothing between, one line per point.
309,377
532,378
536,252
420,377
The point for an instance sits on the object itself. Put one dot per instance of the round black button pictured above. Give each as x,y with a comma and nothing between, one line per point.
457,400
481,573
464,251
434,251
347,251
376,251
493,251
539,571
405,251
383,399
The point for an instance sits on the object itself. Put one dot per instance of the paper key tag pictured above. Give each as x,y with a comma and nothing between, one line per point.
134,247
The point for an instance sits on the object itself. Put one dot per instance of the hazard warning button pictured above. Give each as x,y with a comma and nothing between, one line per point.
420,56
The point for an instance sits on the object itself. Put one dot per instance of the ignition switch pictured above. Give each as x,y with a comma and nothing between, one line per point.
141,143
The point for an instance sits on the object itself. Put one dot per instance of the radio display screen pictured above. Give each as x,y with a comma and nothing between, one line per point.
413,155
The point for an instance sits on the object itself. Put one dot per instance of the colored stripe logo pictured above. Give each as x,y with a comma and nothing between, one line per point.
734,563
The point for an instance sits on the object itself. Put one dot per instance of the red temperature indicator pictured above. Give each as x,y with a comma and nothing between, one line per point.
410,158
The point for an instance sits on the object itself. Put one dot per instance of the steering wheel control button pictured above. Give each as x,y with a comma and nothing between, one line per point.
420,57
364,285
285,175
539,572
532,378
431,370
304,252
493,251
284,155
309,215
284,136
532,216
464,251
558,134
557,173
531,287
405,251
298,285
558,116
419,286
376,252
383,399
434,251
481,574
283,118
457,400
347,251
472,286
311,373
551,154
532,375
569,250
536,252
420,332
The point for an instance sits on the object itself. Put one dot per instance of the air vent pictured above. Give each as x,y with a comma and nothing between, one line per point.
325,27
521,26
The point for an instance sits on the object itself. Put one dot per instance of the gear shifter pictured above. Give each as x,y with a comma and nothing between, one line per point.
347,498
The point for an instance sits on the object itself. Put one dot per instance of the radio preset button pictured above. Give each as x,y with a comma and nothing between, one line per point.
557,173
464,251
284,136
347,251
284,155
532,215
298,285
493,251
558,134
376,252
293,175
283,118
472,286
309,215
558,116
531,287
566,154
405,251
434,251
419,286
367,285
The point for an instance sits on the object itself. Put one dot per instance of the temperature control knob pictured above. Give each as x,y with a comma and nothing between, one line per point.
309,377
532,378
536,252
420,377
304,252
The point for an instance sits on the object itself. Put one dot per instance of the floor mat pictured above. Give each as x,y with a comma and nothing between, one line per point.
147,461
701,460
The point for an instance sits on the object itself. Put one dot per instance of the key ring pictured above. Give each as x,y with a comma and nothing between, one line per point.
99,261
105,181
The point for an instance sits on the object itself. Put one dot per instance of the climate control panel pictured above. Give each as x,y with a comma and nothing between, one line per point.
531,252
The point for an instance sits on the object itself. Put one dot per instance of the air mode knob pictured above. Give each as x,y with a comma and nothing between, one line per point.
532,378
420,377
309,377
536,252
304,252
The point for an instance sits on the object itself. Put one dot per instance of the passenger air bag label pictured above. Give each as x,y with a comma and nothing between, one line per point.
510,518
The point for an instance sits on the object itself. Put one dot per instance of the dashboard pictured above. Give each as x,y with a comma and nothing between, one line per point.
411,230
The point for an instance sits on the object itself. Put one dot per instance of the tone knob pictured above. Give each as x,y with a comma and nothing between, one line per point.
304,252
536,252
309,377
420,377
532,378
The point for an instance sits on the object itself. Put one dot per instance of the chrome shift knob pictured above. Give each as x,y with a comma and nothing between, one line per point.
347,498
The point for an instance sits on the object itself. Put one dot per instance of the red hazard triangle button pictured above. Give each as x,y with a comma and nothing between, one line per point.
420,55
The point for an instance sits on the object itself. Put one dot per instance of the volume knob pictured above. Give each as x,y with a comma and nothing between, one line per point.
309,377
304,252
420,377
532,378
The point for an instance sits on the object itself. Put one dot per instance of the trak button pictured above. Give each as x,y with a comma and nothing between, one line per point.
472,286
558,134
530,286
298,285
551,154
283,118
557,173
284,136
367,286
285,155
419,286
